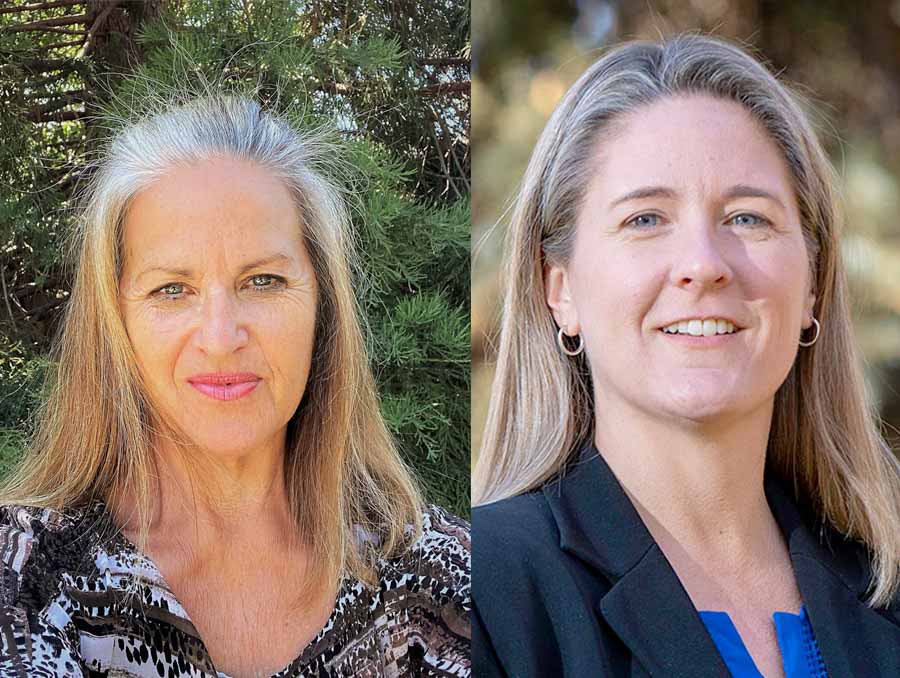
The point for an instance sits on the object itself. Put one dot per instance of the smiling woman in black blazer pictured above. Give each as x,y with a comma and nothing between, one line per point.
681,473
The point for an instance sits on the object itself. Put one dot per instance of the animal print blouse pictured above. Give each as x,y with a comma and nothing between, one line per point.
63,611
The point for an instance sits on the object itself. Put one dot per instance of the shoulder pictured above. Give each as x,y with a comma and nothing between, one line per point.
36,544
443,533
516,548
513,529
439,557
428,589
39,547
22,530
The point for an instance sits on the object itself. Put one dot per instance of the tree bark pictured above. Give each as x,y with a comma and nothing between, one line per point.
96,25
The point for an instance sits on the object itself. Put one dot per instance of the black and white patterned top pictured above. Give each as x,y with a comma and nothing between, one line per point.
64,609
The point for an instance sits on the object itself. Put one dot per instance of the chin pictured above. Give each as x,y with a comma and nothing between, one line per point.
229,444
701,405
703,414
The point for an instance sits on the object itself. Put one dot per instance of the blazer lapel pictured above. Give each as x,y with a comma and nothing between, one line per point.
832,575
646,606
651,612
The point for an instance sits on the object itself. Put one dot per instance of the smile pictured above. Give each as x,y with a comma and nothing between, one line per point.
707,327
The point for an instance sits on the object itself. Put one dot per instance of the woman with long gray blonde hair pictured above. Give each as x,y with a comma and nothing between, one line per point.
211,489
681,473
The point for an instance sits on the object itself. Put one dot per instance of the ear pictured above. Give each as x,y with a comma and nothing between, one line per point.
559,298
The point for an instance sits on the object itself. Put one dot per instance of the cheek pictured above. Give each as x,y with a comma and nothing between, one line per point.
156,338
781,276
287,333
613,293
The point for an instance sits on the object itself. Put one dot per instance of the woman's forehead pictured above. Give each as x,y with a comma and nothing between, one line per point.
685,144
194,212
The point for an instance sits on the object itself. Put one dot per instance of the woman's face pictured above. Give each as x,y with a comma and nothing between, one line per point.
217,281
690,215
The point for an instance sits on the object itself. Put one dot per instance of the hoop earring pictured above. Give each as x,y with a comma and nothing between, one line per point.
562,344
815,338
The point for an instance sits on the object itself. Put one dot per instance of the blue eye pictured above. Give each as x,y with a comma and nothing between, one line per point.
265,281
644,220
747,219
171,291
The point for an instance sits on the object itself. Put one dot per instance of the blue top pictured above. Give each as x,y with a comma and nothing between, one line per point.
799,651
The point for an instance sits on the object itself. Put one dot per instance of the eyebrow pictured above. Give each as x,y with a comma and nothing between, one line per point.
736,191
278,258
645,192
745,191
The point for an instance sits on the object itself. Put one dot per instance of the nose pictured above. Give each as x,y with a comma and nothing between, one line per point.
222,330
701,263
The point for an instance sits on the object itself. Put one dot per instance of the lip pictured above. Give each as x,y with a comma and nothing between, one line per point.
685,319
701,341
222,386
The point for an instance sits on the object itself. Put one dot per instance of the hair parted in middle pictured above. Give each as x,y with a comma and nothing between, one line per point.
95,432
824,438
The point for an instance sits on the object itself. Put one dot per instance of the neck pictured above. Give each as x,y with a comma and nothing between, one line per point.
697,485
203,499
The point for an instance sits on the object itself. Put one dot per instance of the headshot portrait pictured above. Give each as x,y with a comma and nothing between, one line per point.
230,461
681,469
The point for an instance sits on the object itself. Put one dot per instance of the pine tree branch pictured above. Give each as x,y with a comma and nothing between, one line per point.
40,5
32,50
337,88
444,168
61,31
444,88
50,79
30,287
58,116
431,90
44,308
12,318
44,24
58,45
443,62
63,99
67,99
35,66
450,150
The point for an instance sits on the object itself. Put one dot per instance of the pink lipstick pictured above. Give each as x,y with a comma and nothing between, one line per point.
221,386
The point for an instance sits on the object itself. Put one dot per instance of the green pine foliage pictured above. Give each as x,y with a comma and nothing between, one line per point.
391,78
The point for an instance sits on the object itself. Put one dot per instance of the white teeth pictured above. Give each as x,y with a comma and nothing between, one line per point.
705,328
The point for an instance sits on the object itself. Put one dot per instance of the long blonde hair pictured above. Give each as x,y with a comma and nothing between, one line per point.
94,432
824,438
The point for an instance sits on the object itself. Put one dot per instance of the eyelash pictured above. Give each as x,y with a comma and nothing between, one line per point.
762,220
158,292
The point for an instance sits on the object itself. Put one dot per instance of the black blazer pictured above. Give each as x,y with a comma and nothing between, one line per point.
567,581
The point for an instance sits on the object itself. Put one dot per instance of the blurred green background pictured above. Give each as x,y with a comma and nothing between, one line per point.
844,56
